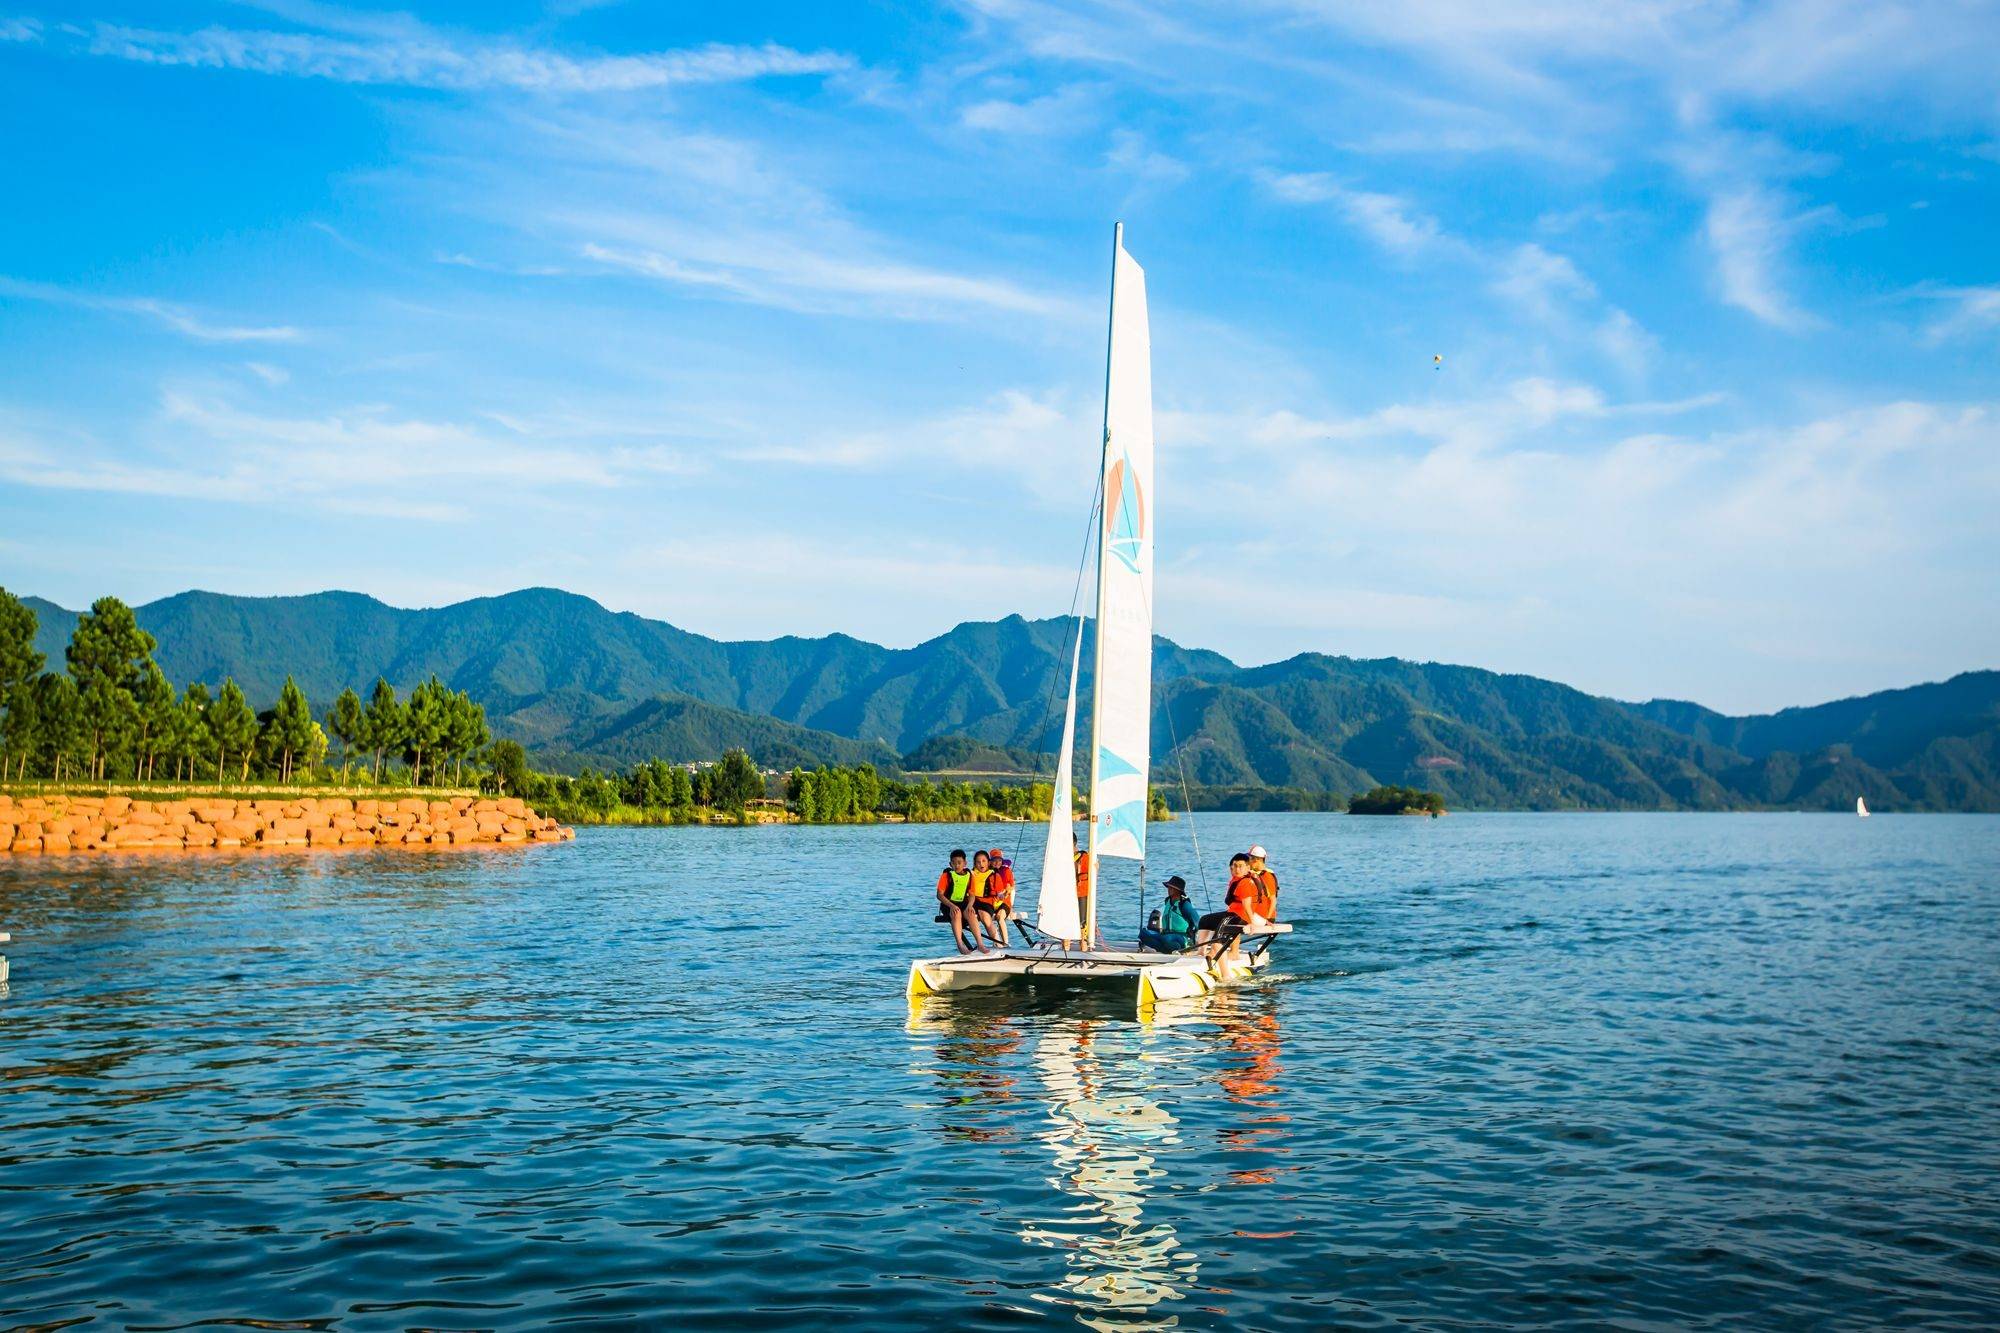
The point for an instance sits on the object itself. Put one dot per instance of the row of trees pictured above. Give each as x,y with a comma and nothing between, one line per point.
658,792
436,724
1394,800
113,714
654,792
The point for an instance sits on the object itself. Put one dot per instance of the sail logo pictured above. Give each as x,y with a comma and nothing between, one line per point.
1127,537
1118,825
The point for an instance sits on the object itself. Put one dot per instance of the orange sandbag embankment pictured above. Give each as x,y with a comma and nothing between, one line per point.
119,823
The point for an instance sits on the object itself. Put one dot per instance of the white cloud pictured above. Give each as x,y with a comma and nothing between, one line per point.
767,271
1388,220
413,55
1063,111
1038,442
176,317
719,216
1547,287
1543,524
1973,310
1131,156
1748,230
365,460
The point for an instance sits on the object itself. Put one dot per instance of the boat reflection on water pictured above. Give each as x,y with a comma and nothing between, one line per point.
1109,1102
1248,1032
1107,1132
975,1070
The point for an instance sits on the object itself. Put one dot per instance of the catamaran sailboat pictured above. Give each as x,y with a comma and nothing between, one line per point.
1120,725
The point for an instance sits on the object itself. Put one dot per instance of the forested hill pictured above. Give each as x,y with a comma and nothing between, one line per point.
581,684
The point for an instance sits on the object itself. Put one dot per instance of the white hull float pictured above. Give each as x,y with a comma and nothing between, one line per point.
1153,976
4,938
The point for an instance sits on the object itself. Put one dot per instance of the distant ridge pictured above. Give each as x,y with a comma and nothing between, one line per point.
580,684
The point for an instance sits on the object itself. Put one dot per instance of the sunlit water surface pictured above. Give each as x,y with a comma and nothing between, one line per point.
1661,1071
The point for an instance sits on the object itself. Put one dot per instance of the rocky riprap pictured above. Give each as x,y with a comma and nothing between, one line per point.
121,823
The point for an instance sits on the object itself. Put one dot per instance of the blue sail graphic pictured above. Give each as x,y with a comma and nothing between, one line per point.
1110,765
1127,818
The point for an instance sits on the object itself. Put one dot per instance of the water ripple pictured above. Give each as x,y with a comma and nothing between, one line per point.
1678,1071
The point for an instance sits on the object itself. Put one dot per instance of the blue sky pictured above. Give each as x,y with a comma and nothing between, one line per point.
778,319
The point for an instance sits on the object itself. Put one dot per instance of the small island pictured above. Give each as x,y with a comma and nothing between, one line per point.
1396,801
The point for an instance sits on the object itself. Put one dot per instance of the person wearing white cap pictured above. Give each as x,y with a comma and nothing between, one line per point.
1266,905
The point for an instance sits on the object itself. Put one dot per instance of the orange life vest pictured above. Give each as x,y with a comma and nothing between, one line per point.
999,889
982,885
1082,874
1241,900
1266,901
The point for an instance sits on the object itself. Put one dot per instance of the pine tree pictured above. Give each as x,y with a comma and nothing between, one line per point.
465,730
22,727
423,725
107,655
19,665
384,722
190,729
108,715
347,725
153,701
232,729
314,752
289,731
737,782
60,732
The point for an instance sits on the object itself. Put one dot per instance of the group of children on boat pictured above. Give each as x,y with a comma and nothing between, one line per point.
976,899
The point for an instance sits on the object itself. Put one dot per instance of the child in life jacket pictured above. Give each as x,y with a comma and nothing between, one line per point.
956,905
995,905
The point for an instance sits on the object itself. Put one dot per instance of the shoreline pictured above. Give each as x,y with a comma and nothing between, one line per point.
65,824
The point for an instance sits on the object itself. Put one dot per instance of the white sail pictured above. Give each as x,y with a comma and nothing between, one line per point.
1123,683
1861,807
1055,909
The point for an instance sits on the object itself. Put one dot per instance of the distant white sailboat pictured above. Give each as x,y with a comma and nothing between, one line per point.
1861,807
1121,716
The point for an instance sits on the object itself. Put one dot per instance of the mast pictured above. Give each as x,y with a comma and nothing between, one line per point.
1097,644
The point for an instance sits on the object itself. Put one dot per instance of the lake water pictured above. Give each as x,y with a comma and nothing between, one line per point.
1658,1071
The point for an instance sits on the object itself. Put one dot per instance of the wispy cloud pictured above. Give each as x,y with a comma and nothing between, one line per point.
1058,112
775,274
179,318
1390,221
716,216
1748,230
364,460
1132,157
1546,286
414,55
1972,310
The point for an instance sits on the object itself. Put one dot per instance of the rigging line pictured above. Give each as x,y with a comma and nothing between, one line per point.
1187,808
1075,596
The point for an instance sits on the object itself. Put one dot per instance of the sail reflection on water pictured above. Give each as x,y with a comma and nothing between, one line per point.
1106,1135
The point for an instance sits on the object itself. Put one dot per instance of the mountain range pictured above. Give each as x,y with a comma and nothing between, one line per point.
580,684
